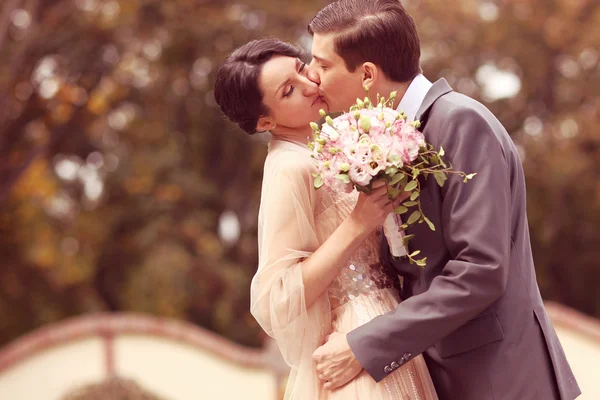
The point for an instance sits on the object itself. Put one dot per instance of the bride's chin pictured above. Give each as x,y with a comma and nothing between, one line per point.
321,105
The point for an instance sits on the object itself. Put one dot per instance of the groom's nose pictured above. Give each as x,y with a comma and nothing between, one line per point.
312,74
310,88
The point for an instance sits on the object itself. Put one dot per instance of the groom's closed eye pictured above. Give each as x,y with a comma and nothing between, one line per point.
302,67
319,62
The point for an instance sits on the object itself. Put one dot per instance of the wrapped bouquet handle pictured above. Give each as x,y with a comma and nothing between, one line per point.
392,229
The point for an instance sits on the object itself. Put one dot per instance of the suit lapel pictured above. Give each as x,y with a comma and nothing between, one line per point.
439,88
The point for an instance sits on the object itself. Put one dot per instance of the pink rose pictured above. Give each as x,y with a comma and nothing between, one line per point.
397,127
397,148
363,153
377,128
359,174
331,181
413,140
347,117
390,115
377,162
383,140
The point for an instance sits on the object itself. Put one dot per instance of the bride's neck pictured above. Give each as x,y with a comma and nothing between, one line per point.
293,135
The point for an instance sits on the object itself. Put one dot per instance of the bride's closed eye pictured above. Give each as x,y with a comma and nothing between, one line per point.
289,92
291,89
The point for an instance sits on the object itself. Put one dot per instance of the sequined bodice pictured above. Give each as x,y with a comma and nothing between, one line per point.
364,273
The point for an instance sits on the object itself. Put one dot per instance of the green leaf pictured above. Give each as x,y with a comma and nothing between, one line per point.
392,171
422,262
400,210
343,177
393,193
409,203
410,186
413,217
442,152
318,182
394,158
431,226
404,226
414,196
406,239
314,174
415,173
440,178
470,176
415,253
397,178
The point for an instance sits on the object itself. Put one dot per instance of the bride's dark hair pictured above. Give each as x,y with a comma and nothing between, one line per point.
237,90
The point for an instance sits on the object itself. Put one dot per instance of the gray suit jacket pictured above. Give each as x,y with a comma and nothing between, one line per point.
475,312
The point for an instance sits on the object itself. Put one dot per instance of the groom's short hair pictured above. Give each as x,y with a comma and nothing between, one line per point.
377,31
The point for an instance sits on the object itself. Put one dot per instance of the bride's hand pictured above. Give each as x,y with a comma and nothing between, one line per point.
371,209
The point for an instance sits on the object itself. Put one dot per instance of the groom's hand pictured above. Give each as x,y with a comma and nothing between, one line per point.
336,363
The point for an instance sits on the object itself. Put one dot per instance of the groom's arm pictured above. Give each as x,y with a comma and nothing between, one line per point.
476,225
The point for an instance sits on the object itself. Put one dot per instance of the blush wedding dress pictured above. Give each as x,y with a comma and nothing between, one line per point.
294,220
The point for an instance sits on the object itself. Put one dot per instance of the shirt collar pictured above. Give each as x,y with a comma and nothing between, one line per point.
414,96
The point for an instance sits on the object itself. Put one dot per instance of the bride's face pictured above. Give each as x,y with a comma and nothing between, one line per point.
292,98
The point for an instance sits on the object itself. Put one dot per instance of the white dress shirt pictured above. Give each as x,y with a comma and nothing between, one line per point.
414,96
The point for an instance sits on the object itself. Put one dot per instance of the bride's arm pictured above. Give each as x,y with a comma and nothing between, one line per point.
294,269
321,268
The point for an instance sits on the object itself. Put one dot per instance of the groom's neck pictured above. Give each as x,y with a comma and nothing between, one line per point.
387,87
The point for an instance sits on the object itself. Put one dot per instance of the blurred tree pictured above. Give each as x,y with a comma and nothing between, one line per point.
116,165
119,176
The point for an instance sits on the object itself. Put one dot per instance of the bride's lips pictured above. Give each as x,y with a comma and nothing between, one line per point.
317,100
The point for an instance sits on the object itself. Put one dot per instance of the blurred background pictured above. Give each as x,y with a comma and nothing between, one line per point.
128,203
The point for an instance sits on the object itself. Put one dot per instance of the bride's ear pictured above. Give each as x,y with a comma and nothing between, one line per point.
370,75
265,124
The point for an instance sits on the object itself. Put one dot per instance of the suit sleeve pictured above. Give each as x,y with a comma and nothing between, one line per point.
476,226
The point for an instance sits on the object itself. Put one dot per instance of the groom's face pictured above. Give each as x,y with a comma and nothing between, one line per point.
339,87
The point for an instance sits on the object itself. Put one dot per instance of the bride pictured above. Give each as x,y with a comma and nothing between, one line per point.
319,270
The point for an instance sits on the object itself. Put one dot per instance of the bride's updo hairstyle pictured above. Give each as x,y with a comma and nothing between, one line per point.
237,90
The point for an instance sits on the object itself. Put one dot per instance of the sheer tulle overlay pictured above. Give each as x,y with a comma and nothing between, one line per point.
294,219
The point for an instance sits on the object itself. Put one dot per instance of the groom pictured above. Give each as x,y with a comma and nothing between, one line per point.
475,312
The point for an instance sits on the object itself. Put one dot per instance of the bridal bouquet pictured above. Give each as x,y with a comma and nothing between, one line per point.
371,142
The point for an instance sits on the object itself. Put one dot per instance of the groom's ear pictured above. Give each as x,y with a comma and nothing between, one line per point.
369,75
